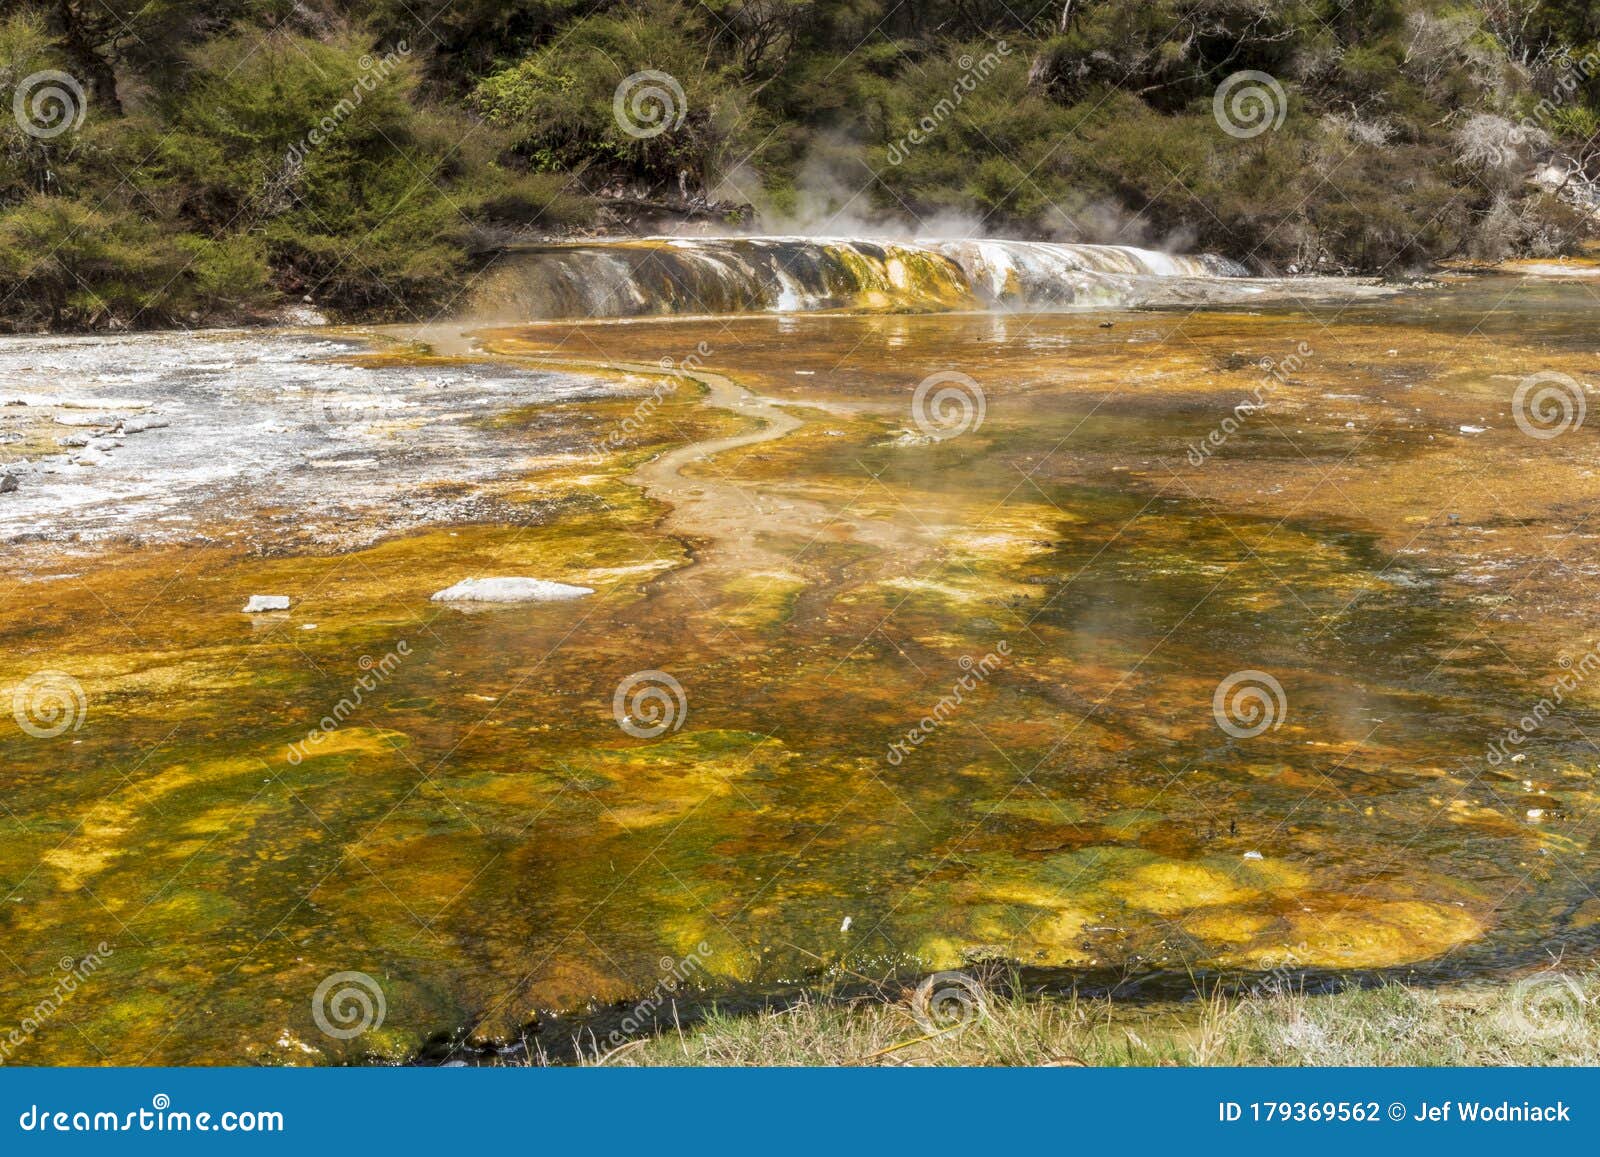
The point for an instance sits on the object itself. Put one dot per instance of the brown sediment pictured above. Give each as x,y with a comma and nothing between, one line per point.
741,526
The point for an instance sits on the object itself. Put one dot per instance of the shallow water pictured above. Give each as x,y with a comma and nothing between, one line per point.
654,276
492,843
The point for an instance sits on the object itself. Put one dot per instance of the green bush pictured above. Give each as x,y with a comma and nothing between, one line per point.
244,151
291,165
74,265
629,94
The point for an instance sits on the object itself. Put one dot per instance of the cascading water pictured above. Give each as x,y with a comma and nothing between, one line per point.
682,275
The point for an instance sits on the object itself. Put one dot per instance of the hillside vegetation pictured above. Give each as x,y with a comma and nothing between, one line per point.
166,162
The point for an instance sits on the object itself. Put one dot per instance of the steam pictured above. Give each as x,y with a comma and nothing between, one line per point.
837,195
834,197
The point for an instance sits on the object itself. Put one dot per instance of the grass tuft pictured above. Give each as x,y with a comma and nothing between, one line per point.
1544,1018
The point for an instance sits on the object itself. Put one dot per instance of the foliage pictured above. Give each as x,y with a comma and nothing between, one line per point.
560,104
1277,1024
367,153
79,265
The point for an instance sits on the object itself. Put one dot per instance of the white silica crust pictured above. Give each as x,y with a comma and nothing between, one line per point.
260,603
510,590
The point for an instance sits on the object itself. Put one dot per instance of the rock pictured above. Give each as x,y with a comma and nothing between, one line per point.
8,483
140,425
260,603
510,590
301,315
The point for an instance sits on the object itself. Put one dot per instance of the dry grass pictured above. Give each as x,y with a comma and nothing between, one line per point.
1546,1018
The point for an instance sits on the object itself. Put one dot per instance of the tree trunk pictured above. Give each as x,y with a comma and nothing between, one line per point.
88,65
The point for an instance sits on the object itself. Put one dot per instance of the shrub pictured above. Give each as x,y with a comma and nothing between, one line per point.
560,105
72,265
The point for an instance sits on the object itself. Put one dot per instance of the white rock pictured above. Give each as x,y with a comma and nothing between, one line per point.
260,603
510,590
140,425
1253,856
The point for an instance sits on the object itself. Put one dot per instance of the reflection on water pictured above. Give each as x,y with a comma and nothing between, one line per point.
1032,616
